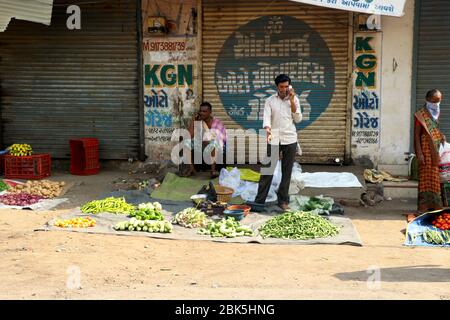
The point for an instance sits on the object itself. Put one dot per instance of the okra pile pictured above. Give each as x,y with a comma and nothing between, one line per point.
298,226
111,205
226,228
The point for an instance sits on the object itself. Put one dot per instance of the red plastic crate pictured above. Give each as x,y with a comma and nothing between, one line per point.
2,164
84,159
34,167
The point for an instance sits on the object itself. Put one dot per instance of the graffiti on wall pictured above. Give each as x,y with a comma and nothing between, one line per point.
257,52
170,92
366,105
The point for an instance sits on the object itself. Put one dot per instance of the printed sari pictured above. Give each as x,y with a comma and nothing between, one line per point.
429,196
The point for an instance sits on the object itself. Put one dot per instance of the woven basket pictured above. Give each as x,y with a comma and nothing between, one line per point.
223,193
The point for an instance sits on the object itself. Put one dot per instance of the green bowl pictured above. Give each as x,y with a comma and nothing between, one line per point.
238,215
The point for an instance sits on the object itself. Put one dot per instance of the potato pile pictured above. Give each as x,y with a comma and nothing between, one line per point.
43,188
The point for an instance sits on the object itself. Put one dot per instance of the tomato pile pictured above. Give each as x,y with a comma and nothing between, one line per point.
442,221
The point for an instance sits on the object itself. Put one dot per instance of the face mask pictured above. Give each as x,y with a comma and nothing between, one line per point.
434,109
432,105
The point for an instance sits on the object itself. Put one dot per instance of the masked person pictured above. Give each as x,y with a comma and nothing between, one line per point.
427,140
210,138
281,112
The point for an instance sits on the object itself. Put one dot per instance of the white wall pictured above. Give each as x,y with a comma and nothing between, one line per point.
396,91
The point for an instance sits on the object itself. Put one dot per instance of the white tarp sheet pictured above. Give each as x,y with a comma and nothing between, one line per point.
380,7
330,180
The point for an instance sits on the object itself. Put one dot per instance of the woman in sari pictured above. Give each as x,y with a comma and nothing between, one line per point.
427,140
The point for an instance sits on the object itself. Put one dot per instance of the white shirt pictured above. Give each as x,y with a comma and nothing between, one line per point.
278,116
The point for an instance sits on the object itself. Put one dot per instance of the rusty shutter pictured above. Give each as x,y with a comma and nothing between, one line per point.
247,43
59,84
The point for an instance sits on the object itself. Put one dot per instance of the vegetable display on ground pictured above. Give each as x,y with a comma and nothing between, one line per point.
298,226
20,149
315,203
111,205
229,228
442,221
191,218
148,211
43,188
144,225
436,237
20,199
81,222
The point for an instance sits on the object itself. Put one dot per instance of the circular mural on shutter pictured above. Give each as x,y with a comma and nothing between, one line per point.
257,52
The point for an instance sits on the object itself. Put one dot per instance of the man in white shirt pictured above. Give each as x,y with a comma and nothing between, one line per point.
281,112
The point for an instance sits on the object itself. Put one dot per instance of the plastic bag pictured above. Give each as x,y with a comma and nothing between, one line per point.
250,190
277,176
444,166
297,182
230,179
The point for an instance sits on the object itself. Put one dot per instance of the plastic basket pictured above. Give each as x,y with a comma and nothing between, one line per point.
223,193
84,159
32,167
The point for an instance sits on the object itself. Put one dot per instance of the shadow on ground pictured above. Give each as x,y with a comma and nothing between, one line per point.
399,274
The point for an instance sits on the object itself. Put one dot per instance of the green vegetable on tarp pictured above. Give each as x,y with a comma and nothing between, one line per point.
3,186
111,205
437,237
148,211
229,228
144,225
317,203
298,225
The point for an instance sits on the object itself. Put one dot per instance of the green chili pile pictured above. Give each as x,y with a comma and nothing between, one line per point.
298,226
111,204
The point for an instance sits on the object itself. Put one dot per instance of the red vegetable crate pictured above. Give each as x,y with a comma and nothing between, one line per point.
34,167
84,156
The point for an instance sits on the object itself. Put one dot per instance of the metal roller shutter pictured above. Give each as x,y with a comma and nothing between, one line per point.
247,43
433,55
59,84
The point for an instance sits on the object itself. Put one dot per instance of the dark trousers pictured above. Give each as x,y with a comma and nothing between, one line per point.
288,152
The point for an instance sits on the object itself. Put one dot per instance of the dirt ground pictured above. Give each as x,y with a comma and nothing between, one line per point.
43,265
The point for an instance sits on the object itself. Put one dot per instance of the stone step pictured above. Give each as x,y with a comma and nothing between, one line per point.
396,190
